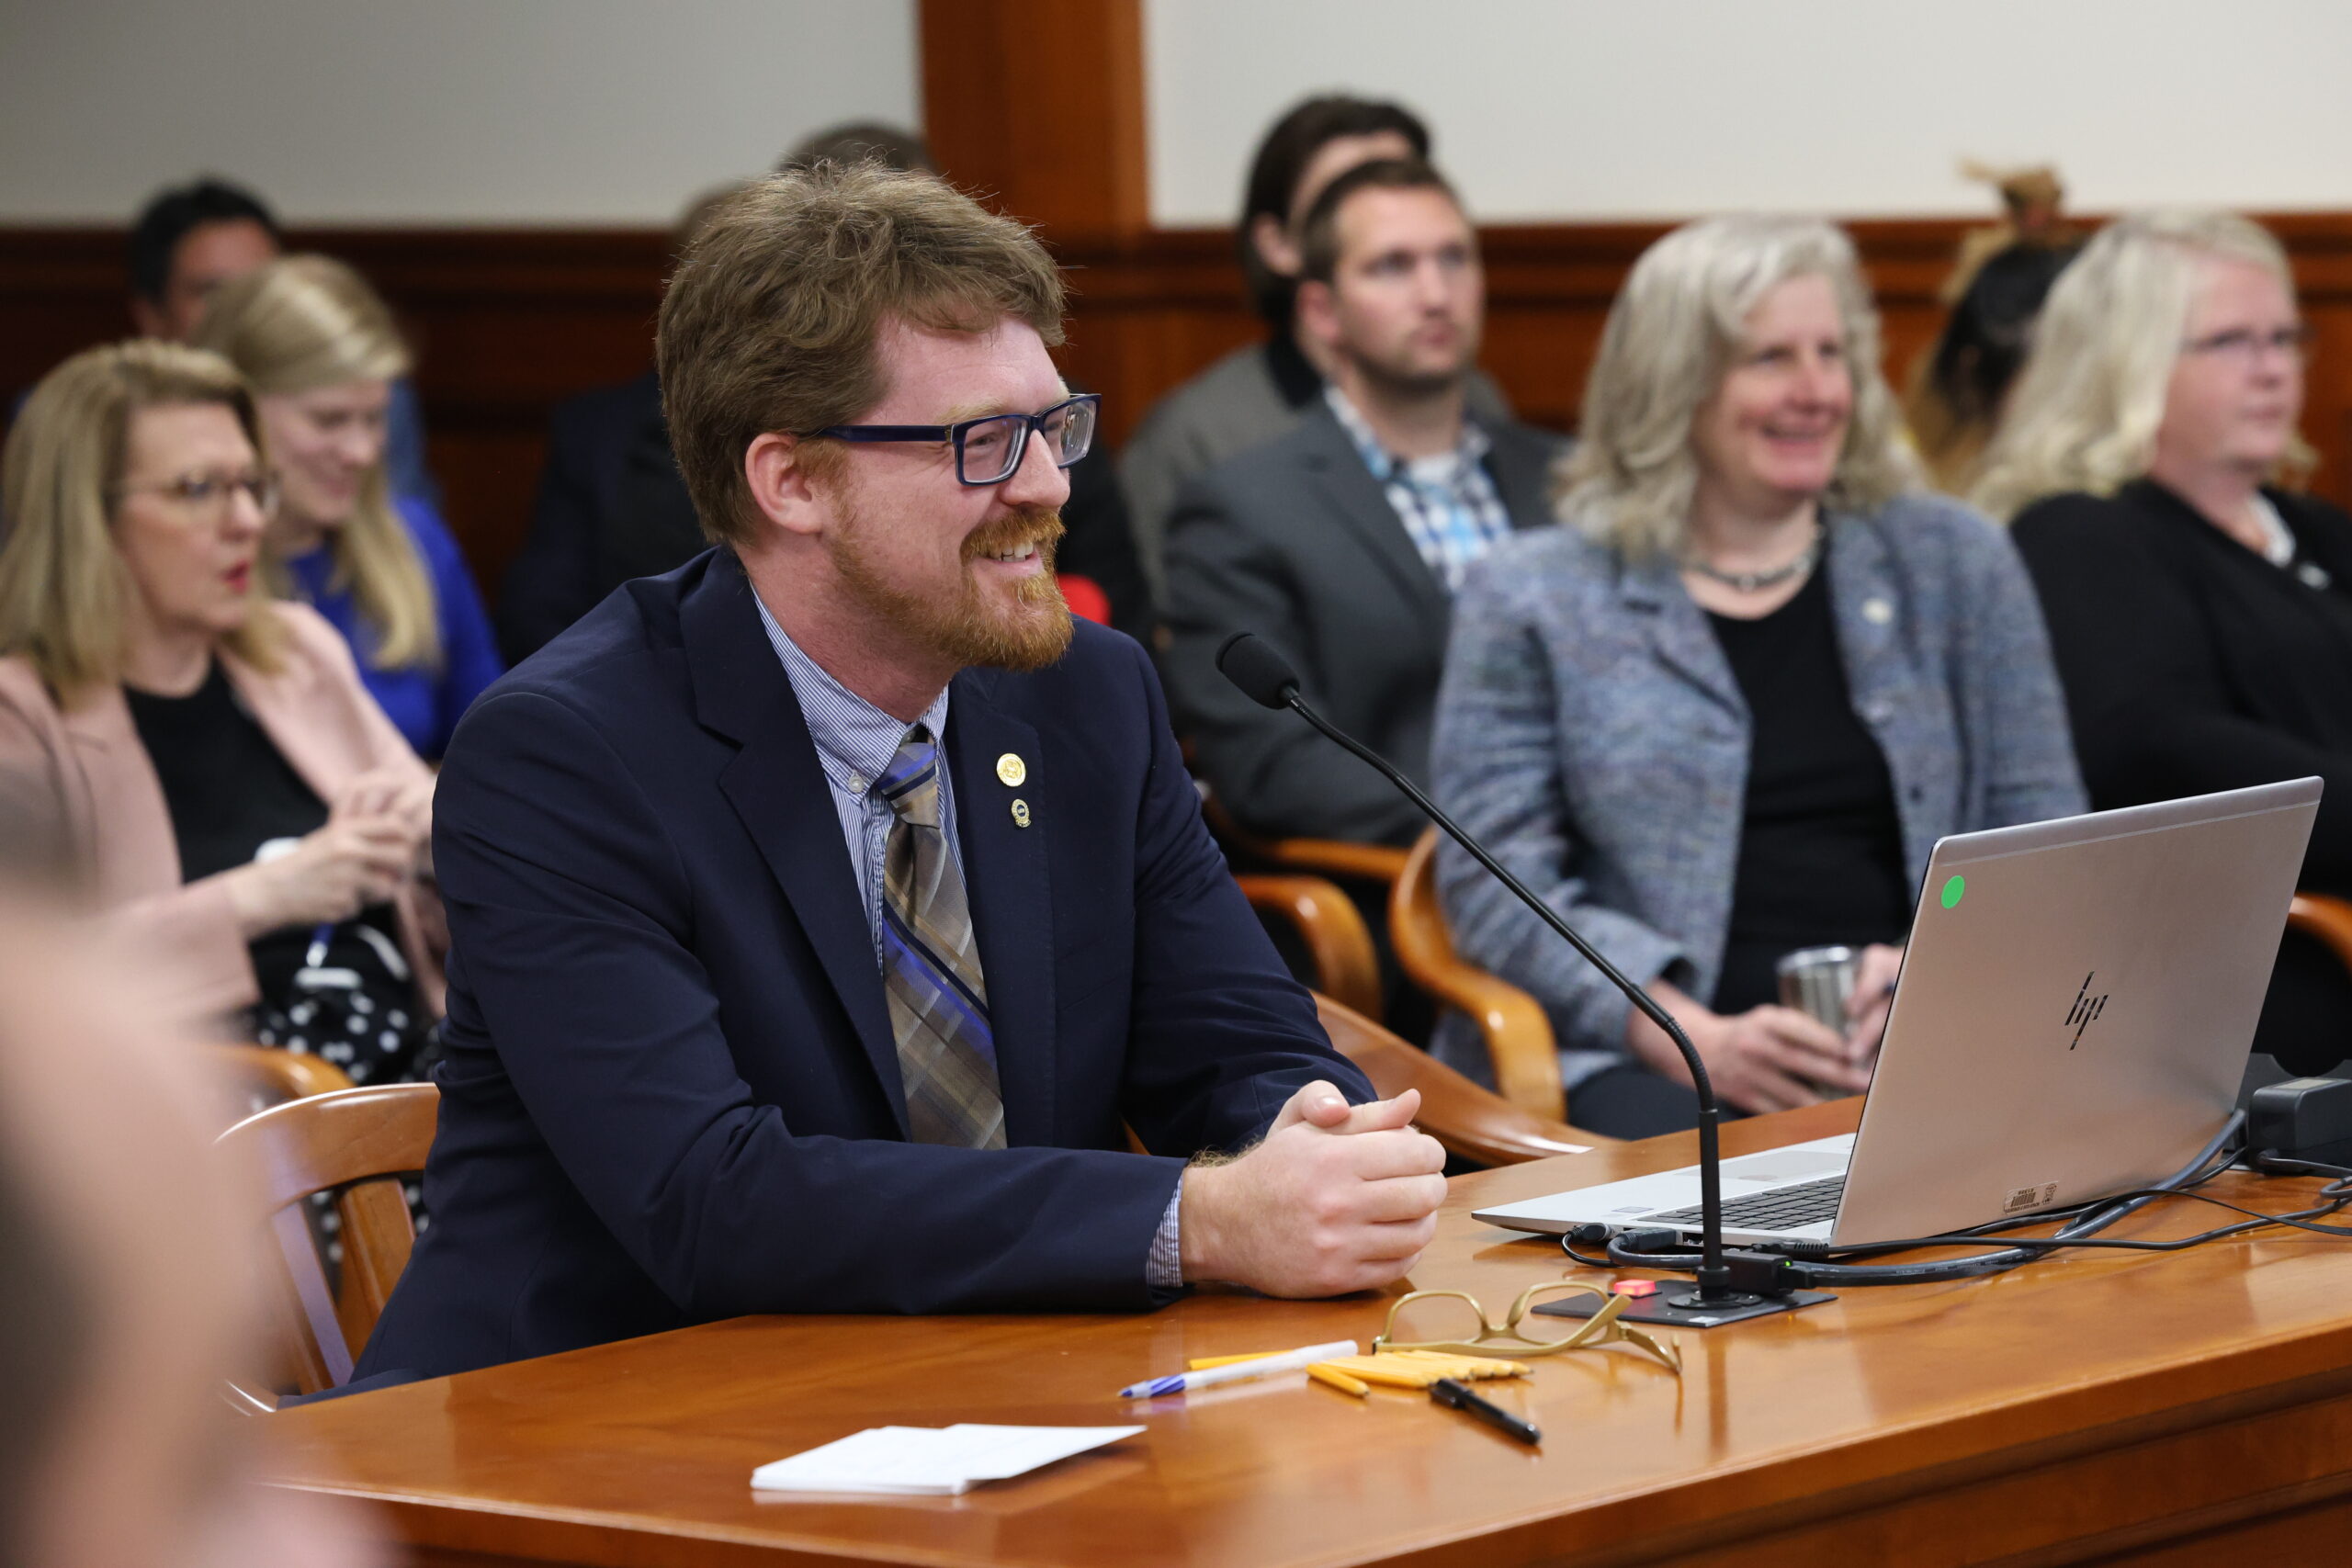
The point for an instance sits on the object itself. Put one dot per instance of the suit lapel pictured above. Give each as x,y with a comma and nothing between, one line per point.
1864,597
779,792
1009,886
1334,471
1680,637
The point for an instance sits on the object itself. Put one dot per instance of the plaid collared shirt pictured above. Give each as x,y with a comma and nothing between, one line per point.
1448,504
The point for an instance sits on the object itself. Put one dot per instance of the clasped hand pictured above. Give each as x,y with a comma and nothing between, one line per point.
1335,1197
376,838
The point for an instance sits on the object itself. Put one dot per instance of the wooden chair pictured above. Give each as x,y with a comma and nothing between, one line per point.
1474,1122
1517,1034
259,1077
1338,943
1381,864
356,1143
2325,920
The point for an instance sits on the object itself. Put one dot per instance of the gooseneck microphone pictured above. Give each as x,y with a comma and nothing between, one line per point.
1266,677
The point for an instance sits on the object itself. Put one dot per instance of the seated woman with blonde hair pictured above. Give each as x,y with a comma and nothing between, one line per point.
1724,713
319,351
2201,613
240,807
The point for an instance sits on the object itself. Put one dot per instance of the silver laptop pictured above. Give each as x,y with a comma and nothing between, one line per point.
2072,1019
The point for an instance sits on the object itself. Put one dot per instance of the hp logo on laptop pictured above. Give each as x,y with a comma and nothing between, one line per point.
2086,1008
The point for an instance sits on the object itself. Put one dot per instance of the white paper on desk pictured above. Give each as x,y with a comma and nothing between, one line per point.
929,1460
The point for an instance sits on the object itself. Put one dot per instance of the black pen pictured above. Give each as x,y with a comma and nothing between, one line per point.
1450,1391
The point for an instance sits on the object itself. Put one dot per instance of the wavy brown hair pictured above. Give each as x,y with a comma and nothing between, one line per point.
771,321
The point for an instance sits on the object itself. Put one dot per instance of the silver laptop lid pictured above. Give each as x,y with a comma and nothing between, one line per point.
2076,1004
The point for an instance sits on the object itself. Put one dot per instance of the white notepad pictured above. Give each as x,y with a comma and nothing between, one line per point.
935,1461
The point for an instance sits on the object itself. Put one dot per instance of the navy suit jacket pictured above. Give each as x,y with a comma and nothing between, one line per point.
670,1093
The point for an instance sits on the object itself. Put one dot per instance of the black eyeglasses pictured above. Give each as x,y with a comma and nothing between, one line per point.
989,449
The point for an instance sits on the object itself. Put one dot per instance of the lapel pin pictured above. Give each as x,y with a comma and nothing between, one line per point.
1877,611
1021,813
1012,769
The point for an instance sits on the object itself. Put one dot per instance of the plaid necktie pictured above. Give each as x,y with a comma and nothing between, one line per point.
931,965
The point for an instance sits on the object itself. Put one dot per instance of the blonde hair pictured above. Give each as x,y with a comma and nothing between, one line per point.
307,321
1672,333
64,587
2086,408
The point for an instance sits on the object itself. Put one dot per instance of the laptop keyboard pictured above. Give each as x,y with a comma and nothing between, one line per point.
1782,1209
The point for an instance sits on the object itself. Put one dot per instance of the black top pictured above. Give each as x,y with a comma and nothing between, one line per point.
2193,664
1820,845
230,791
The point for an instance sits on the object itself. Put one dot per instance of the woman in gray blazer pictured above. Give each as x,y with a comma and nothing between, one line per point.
1725,713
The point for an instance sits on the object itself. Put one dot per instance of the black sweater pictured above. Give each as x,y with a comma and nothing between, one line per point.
2191,663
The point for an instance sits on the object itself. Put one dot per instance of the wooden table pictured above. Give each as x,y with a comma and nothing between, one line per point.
2098,1407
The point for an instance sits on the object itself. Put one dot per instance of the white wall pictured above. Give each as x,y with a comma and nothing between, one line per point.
437,111
1663,108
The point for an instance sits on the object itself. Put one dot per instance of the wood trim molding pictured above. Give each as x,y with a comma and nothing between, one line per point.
1038,106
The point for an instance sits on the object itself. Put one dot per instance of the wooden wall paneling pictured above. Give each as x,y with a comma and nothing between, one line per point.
1039,104
509,323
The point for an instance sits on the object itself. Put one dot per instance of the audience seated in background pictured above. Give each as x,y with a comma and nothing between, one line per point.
1727,709
1259,392
187,242
780,987
1342,542
1956,398
2201,613
229,784
127,1293
321,353
612,506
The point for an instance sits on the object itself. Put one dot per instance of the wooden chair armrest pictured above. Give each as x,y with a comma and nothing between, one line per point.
1383,863
1337,942
287,1073
2327,919
1473,1122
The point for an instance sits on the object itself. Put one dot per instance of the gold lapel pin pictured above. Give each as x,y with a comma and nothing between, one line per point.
1012,769
1021,814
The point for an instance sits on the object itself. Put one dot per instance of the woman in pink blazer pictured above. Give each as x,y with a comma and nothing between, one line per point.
244,811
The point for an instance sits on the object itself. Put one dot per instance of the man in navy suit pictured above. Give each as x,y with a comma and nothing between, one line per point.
824,910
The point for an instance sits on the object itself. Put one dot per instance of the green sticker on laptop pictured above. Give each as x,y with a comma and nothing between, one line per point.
1953,888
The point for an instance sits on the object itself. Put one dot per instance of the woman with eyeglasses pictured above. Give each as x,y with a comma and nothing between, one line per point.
240,805
2199,609
320,350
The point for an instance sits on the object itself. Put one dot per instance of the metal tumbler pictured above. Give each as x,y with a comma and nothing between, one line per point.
1818,981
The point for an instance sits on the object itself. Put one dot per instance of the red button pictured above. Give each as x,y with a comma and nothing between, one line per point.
1635,1287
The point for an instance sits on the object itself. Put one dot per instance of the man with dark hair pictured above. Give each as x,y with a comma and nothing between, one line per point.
824,911
1342,542
1257,393
188,240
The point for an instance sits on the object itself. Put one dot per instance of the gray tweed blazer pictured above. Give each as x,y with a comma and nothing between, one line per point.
1589,730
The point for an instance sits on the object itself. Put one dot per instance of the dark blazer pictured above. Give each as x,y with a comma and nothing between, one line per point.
1296,542
565,565
2192,664
670,1093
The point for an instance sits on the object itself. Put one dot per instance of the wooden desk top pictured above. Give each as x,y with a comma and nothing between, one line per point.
2021,1405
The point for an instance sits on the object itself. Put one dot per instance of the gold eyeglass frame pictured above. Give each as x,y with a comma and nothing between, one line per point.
1603,1327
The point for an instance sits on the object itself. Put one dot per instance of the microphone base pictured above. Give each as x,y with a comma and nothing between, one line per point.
1677,1306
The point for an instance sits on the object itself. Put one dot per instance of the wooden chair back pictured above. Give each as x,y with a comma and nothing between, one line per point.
259,1077
356,1142
1471,1122
1518,1033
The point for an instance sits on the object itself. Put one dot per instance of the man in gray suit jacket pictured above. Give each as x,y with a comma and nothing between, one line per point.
1341,543
1262,390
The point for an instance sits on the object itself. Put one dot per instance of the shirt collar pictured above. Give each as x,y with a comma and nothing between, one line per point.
855,740
1386,466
